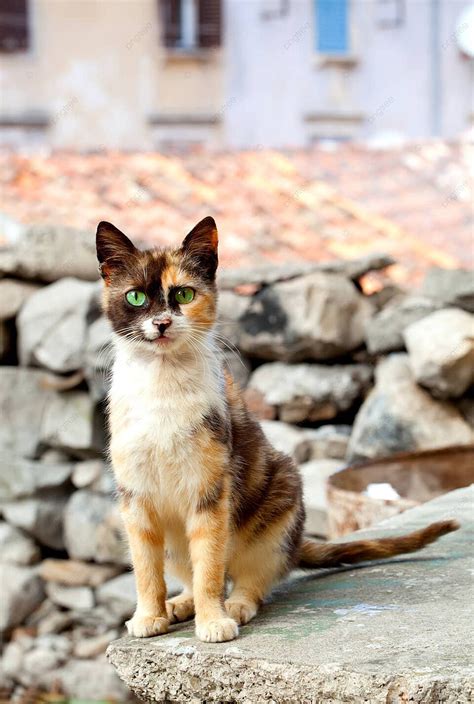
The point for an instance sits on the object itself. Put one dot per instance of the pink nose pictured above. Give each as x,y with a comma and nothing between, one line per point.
162,324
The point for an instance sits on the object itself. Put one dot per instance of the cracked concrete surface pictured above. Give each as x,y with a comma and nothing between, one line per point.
391,632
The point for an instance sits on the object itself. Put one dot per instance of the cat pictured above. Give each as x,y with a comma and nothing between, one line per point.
200,488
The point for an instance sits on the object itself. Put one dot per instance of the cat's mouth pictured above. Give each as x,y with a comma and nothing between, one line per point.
162,340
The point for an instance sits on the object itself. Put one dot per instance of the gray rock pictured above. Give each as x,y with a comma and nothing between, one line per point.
69,424
93,529
97,618
45,609
271,273
58,643
441,349
328,442
238,366
450,286
99,354
52,325
23,402
286,438
38,660
41,517
13,294
315,474
48,620
310,391
90,680
111,545
75,573
49,253
105,483
87,472
12,660
120,596
318,316
35,415
16,547
400,416
53,456
384,331
386,295
230,308
55,621
91,647
21,477
70,597
22,592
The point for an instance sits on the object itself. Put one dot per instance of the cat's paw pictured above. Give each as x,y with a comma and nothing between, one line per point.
180,608
241,611
217,631
147,626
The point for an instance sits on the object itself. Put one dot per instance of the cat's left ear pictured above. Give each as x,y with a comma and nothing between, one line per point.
201,245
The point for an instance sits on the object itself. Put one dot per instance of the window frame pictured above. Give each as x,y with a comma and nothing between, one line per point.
191,27
20,16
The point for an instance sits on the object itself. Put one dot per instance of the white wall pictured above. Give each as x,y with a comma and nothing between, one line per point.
274,77
97,69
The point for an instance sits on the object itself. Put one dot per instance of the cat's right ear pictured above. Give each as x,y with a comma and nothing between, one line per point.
113,248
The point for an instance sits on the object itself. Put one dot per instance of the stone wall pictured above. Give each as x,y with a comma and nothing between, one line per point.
334,376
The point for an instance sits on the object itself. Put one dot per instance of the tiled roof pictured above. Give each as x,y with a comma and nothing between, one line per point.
413,202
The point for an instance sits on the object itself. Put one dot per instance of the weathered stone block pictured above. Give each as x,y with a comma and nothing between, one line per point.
310,392
398,415
49,253
317,316
22,592
52,325
441,349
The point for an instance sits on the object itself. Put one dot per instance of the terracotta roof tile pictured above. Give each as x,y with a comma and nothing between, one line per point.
411,202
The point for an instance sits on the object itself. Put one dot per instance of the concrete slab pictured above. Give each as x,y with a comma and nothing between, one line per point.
391,632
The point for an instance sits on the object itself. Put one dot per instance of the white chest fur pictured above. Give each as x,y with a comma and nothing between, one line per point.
155,407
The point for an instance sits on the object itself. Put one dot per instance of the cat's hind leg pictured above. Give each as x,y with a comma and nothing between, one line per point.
180,607
254,568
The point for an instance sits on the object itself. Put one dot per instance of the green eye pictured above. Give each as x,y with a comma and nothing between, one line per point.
136,298
184,295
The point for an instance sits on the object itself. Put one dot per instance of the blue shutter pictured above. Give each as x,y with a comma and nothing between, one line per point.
332,26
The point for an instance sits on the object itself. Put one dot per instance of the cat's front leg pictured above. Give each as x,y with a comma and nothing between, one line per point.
146,539
208,537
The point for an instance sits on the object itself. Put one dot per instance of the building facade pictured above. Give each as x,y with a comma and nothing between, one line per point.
159,74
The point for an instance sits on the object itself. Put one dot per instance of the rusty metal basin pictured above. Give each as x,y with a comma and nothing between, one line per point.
416,476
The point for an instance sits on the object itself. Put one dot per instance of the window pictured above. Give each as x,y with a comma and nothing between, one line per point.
390,13
332,26
14,34
191,24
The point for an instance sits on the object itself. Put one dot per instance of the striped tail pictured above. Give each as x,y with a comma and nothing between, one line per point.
313,554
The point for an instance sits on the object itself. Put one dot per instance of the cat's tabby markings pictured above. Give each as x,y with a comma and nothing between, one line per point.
200,487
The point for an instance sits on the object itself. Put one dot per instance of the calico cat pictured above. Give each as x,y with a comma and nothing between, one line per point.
200,488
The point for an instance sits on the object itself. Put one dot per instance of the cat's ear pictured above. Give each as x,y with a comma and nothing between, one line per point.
113,248
201,245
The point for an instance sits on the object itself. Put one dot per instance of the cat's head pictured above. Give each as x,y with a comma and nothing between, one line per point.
159,299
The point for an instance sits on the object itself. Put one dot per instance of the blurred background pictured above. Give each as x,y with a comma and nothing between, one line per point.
332,142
